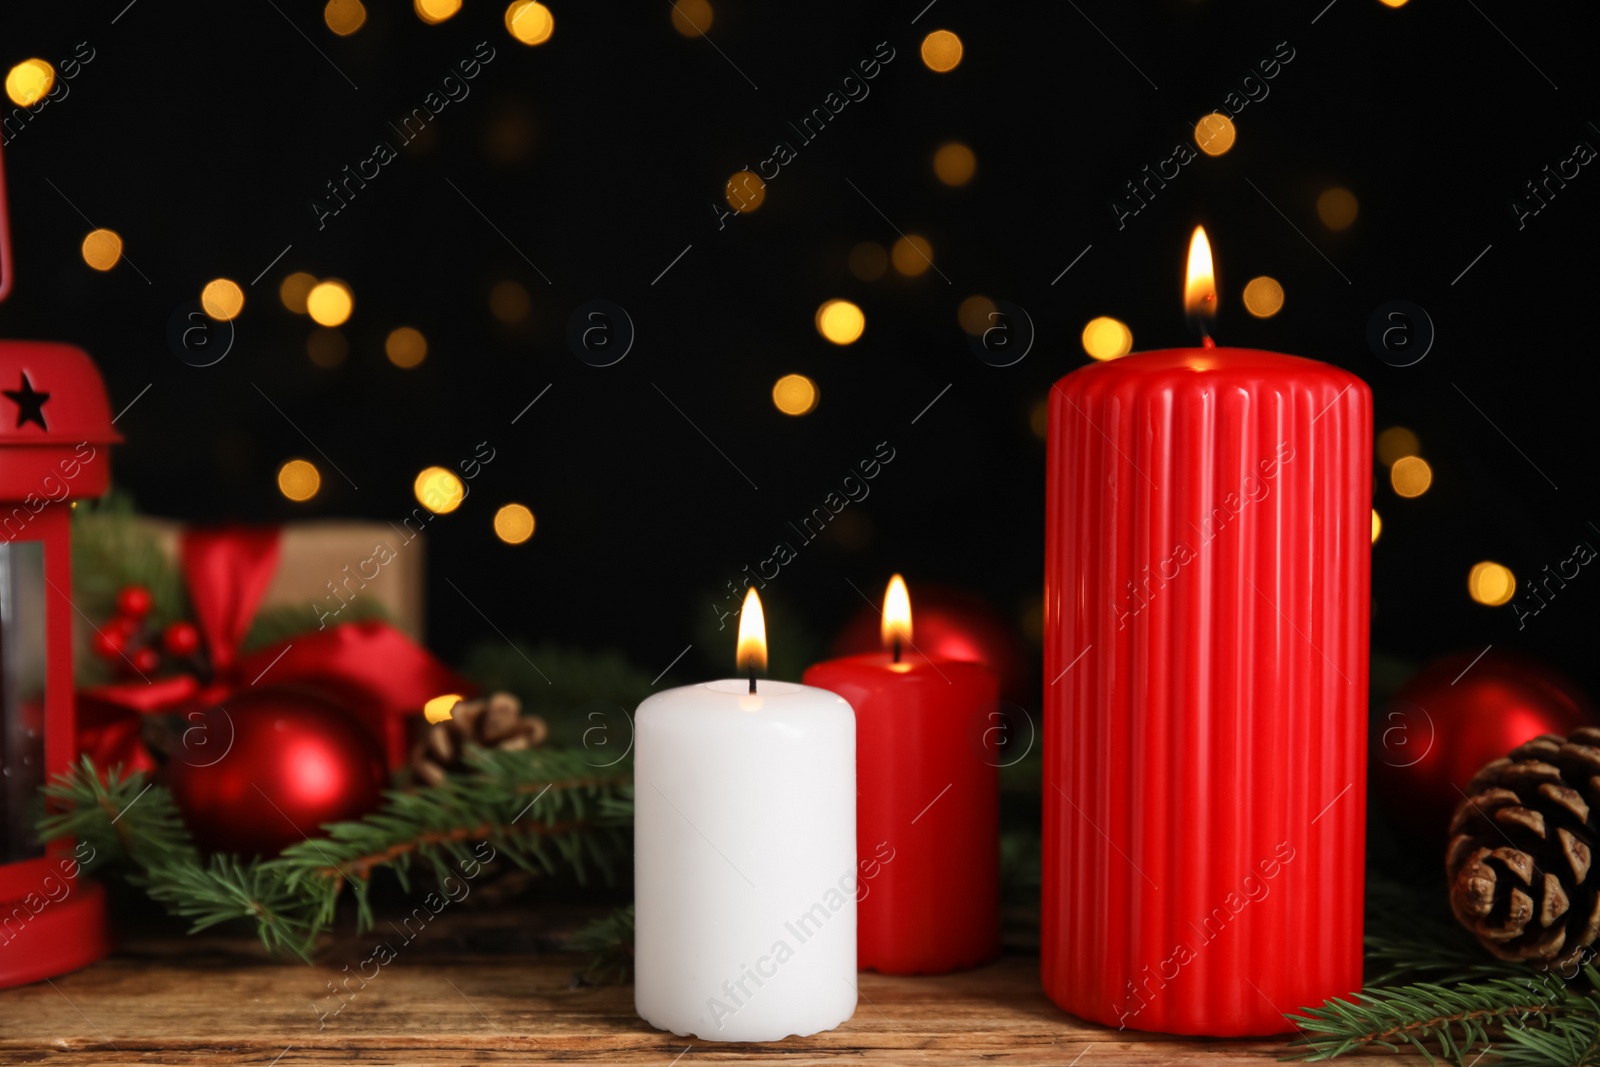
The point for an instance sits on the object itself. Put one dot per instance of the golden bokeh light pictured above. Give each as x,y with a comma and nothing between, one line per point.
1491,583
1395,444
1107,338
529,22
439,490
841,322
294,289
327,347
1410,476
1039,419
975,314
954,163
941,51
912,255
692,18
1214,134
795,394
222,299
1377,525
868,261
102,249
405,347
1263,297
344,17
1393,3
329,303
29,81
509,301
436,11
513,524
299,480
441,708
745,191
1337,208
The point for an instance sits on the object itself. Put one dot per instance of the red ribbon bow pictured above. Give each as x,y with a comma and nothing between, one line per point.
376,671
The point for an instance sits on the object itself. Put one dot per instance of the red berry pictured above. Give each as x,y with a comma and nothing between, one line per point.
146,660
108,643
181,639
134,601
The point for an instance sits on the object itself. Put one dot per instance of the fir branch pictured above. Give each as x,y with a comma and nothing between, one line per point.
543,809
609,943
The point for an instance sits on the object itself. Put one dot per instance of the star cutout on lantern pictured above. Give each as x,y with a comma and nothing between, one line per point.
30,405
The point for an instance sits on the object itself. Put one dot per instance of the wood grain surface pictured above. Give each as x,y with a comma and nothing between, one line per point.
494,986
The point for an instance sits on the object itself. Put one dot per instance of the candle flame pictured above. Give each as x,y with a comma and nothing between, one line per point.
1200,280
752,652
896,613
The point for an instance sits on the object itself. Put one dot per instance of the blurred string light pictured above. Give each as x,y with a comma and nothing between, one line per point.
29,81
102,249
868,261
1337,208
1214,134
941,51
439,490
327,347
841,322
975,313
529,22
745,191
299,480
222,299
1039,419
436,11
294,289
441,708
405,347
1411,476
912,255
1263,297
954,163
329,303
344,17
513,524
1107,338
509,301
1395,444
795,394
1491,583
692,18
1377,525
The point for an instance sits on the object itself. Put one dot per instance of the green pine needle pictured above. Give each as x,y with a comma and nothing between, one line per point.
545,810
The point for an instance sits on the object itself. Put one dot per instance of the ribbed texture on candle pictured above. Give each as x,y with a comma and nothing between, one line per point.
1207,553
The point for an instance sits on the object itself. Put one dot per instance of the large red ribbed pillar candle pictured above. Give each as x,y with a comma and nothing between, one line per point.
1206,586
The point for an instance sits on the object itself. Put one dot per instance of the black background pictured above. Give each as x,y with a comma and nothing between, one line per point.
203,132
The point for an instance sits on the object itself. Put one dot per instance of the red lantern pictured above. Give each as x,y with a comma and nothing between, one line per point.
55,426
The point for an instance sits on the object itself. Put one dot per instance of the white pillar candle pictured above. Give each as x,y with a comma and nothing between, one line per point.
745,858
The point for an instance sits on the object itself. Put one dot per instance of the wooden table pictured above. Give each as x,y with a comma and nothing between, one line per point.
492,986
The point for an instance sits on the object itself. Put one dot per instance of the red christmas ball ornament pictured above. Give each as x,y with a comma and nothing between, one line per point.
1452,718
134,601
181,639
145,660
108,642
953,624
268,768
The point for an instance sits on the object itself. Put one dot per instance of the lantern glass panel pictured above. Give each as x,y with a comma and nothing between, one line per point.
22,680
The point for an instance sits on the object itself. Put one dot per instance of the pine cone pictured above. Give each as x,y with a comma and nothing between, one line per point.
1521,849
495,721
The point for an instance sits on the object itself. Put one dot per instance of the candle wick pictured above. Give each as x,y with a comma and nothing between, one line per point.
897,648
752,677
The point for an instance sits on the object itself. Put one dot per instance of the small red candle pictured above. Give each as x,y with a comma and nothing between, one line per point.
928,801
1207,548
